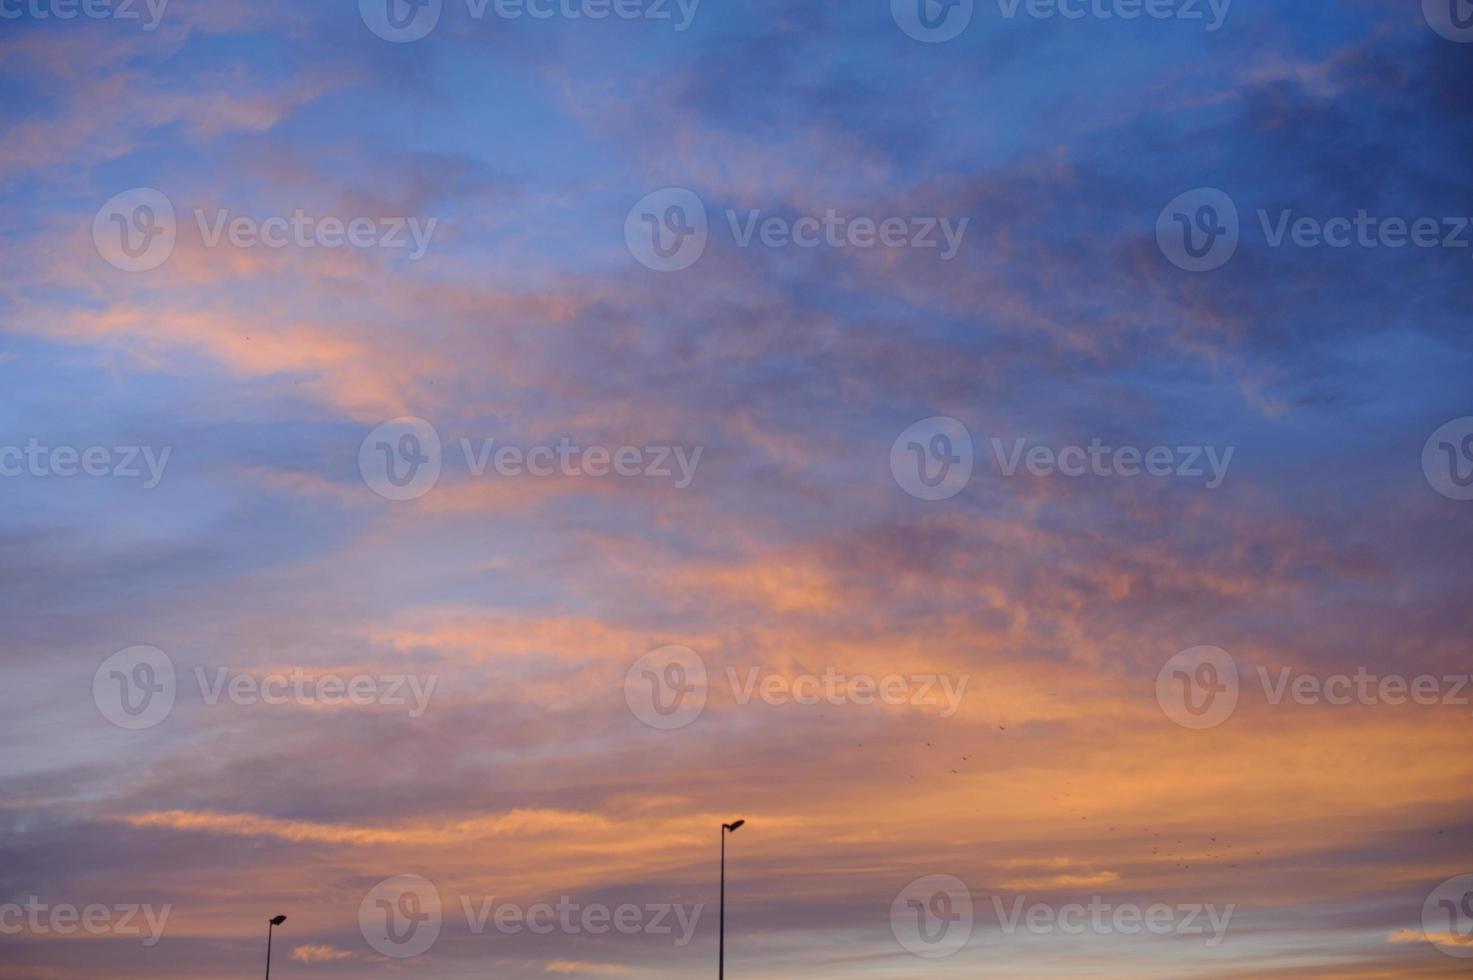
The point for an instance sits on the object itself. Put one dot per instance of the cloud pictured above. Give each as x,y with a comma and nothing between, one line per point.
595,969
319,954
794,552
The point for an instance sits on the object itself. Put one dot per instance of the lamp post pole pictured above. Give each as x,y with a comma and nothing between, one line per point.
726,828
271,924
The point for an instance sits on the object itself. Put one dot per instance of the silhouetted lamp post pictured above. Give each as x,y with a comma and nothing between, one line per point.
271,924
726,828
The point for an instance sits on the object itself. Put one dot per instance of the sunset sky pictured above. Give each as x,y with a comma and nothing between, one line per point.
985,681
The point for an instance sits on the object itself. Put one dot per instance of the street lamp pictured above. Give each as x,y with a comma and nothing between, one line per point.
271,924
726,828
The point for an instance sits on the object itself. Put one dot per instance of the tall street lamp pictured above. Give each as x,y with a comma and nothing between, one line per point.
726,828
270,925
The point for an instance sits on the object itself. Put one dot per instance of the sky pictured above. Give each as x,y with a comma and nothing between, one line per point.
457,456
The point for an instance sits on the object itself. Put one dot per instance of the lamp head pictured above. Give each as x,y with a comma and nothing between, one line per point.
278,920
734,826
